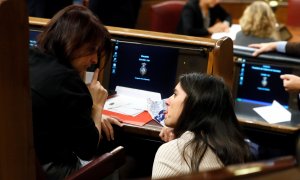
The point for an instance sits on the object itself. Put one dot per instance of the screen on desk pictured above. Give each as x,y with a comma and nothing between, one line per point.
33,37
152,67
261,84
258,84
144,67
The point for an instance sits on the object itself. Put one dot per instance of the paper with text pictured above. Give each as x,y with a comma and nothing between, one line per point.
130,101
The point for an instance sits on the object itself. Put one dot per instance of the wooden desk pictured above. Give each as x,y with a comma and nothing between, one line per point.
295,32
152,128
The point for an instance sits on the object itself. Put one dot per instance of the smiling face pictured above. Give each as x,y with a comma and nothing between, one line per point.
175,104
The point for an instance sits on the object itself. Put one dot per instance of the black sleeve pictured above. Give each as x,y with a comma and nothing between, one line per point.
188,22
82,133
221,14
293,48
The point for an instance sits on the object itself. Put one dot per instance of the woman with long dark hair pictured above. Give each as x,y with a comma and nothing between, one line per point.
207,132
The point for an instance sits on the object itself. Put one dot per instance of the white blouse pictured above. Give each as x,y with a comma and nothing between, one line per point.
169,161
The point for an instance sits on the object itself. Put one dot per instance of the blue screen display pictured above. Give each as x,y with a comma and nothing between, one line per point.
261,84
145,67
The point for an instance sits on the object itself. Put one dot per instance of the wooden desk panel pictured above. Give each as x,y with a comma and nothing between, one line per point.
295,32
152,128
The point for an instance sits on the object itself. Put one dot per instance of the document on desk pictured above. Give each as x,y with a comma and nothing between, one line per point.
274,113
233,30
129,101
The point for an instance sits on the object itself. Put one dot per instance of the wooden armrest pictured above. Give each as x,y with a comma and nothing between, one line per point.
102,166
250,170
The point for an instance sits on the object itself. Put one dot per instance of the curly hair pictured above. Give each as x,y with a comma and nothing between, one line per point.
259,20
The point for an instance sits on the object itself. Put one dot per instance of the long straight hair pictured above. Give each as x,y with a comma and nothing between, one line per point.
209,114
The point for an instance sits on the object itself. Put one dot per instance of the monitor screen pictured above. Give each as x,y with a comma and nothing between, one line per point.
142,66
258,84
261,84
33,37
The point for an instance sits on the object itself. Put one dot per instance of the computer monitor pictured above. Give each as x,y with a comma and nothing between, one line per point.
33,33
258,83
152,67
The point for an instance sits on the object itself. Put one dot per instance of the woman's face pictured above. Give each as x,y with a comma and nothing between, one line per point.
81,64
175,104
212,3
85,57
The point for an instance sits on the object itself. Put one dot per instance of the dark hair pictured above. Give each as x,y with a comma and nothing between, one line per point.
70,29
208,113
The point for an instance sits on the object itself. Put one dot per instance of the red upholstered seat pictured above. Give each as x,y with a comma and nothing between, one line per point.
101,167
293,13
98,168
165,16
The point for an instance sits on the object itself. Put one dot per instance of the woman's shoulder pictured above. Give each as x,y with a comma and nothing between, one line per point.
47,64
177,144
46,71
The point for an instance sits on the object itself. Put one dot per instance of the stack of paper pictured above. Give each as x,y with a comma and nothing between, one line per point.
129,101
234,29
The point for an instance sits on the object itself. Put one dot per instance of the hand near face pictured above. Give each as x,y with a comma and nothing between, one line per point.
166,134
98,93
106,126
291,82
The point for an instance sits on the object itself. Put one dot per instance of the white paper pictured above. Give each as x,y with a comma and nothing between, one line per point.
235,28
130,101
137,93
275,113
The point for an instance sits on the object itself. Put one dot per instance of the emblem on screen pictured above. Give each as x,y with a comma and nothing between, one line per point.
143,69
264,81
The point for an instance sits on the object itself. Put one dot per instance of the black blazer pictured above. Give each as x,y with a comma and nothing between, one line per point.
61,112
293,48
191,20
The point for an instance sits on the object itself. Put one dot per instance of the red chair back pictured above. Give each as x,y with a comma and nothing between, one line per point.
165,16
102,166
98,168
293,13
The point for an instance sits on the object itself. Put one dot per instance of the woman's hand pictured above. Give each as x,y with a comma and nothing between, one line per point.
291,82
106,126
263,47
99,96
218,27
166,134
97,91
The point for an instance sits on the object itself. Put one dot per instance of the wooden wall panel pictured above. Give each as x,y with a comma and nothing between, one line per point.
16,152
